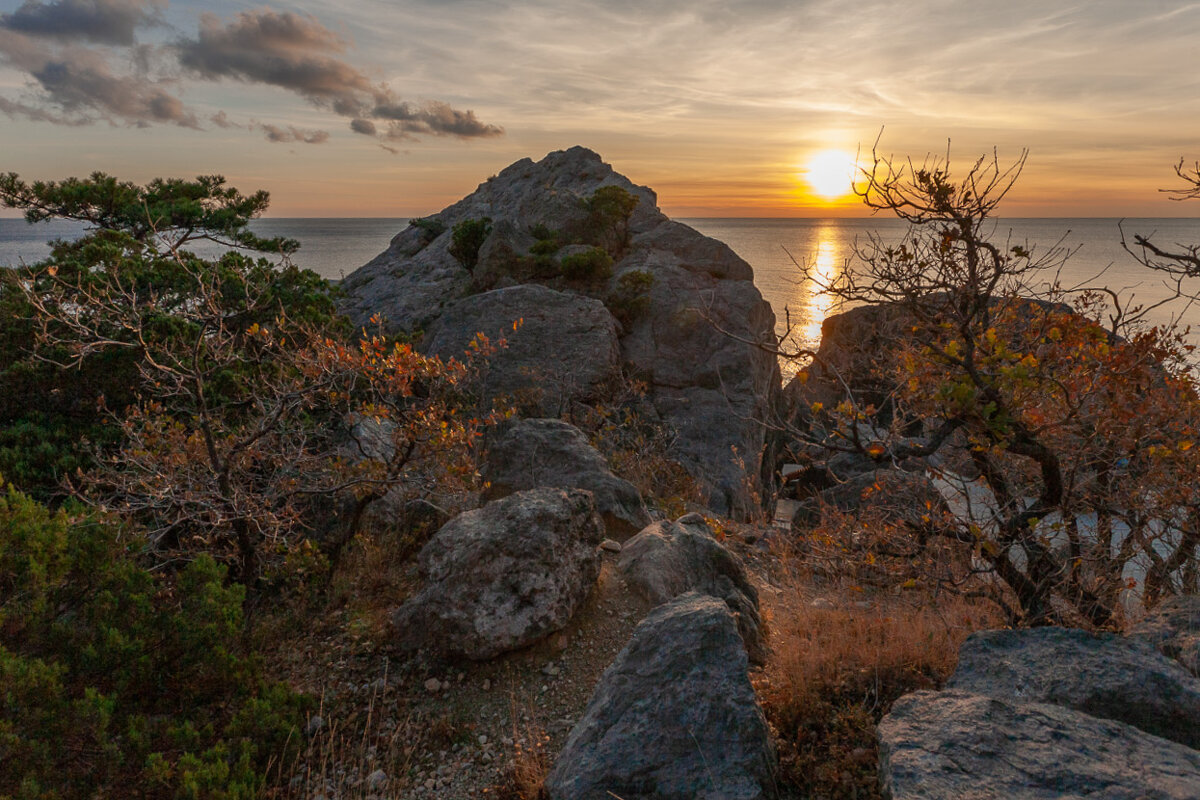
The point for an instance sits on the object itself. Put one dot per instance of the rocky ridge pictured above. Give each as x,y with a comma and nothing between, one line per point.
687,331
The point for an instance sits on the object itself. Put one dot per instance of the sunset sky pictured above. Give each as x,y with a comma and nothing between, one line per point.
398,108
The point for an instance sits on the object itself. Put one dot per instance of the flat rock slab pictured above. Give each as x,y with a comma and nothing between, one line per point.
1105,676
503,576
956,745
673,718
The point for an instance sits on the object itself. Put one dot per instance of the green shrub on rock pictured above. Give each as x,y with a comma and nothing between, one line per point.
591,265
466,239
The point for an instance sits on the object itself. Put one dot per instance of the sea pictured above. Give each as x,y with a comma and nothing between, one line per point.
778,249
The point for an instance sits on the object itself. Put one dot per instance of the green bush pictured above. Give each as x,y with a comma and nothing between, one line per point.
630,298
466,239
609,209
115,681
591,265
430,227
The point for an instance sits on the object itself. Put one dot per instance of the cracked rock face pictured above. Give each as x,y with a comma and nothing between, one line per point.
673,718
503,576
690,340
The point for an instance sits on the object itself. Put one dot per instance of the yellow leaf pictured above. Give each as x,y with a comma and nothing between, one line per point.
817,408
1185,445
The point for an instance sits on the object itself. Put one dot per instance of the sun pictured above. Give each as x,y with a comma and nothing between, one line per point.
830,173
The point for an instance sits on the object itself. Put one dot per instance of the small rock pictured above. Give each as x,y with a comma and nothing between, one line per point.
487,684
377,780
433,685
550,669
611,545
314,726
483,739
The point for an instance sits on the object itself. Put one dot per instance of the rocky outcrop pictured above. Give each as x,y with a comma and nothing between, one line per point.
1174,628
1105,676
955,744
550,452
673,718
690,337
1048,712
503,576
559,347
668,559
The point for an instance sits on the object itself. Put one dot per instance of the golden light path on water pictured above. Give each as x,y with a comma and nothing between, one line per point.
815,305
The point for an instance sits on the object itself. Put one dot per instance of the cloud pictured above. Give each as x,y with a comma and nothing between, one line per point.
291,133
111,22
297,53
73,83
77,85
433,117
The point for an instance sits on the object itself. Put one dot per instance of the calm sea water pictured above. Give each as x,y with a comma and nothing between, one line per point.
336,247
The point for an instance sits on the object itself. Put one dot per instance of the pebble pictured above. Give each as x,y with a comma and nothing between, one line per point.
433,685
611,546
487,684
315,724
377,780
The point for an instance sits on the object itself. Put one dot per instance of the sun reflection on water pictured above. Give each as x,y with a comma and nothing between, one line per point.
808,304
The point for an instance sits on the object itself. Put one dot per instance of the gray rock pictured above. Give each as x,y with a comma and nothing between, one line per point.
713,390
668,559
563,349
503,576
1174,628
708,381
1105,676
549,452
956,745
673,718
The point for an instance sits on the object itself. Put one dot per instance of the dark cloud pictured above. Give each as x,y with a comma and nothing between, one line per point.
433,117
75,84
285,50
78,85
298,53
111,22
292,134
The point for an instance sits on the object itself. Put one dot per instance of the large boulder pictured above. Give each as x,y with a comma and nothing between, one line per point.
956,744
673,718
668,559
503,576
1105,676
1174,628
550,452
560,347
692,337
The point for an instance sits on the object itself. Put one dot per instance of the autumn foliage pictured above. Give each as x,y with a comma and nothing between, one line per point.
1067,442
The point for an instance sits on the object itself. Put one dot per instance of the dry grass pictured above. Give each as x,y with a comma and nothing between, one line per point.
529,763
836,669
